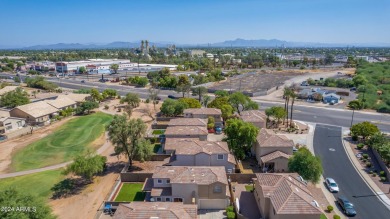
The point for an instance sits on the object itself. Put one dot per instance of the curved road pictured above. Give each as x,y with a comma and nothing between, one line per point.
329,147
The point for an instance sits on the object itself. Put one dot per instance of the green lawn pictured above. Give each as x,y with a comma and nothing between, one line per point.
130,192
38,184
158,132
249,188
63,144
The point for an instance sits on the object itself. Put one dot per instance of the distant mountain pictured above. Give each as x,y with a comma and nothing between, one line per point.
259,43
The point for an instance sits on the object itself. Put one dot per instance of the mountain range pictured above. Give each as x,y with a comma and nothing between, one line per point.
259,43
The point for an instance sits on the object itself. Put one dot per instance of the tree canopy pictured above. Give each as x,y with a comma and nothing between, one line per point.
240,136
86,106
14,98
132,100
173,107
241,102
364,129
306,165
191,102
87,166
40,83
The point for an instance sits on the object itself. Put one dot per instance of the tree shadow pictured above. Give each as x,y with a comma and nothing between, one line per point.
68,187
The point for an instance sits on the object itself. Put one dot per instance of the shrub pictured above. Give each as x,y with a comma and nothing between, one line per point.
329,208
231,215
230,209
364,160
368,164
354,137
147,100
383,179
336,216
382,173
360,146
106,107
374,174
365,156
370,172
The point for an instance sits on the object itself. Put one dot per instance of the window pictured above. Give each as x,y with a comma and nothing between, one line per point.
158,199
167,199
168,181
220,157
217,189
159,181
19,123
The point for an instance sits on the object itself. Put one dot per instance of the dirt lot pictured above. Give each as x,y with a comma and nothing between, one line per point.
8,147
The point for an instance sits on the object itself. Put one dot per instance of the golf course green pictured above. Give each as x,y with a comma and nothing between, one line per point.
71,139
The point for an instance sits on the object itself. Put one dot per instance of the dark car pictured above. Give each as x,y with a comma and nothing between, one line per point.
353,89
172,97
347,206
82,81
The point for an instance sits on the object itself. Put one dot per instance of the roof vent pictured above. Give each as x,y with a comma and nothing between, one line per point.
296,189
171,171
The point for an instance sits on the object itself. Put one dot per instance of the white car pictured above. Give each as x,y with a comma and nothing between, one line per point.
332,185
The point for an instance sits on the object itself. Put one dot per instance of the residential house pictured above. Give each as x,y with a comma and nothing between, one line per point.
156,210
255,117
193,152
272,151
204,113
7,89
284,196
188,122
62,102
331,98
207,187
78,98
37,113
186,132
9,124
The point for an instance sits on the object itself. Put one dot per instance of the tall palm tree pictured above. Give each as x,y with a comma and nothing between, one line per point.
293,95
286,94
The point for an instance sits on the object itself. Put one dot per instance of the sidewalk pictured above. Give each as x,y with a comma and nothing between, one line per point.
375,189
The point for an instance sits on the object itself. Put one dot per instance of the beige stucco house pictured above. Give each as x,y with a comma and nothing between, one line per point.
78,98
188,122
37,113
62,102
156,210
284,196
273,151
9,124
186,132
207,187
193,152
255,117
204,113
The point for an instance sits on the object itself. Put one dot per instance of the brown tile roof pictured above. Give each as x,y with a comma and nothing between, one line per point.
197,175
194,146
163,191
186,130
161,210
267,139
187,122
273,155
7,89
288,195
76,97
37,109
203,111
253,116
61,102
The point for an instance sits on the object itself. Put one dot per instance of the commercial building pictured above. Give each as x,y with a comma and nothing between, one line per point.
93,65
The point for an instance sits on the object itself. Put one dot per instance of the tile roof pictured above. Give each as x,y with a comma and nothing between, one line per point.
253,116
194,146
187,122
37,109
4,113
196,175
288,195
163,191
61,102
7,89
76,97
186,130
161,210
267,139
273,155
203,111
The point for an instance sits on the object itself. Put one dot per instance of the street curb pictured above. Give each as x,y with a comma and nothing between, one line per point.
361,175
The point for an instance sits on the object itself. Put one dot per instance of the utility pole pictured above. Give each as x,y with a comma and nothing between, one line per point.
353,112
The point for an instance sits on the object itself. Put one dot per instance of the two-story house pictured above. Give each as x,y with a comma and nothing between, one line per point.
187,122
284,196
197,132
256,117
207,187
193,152
204,113
273,151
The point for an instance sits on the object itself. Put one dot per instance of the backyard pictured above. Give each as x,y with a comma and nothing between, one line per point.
38,184
130,192
62,145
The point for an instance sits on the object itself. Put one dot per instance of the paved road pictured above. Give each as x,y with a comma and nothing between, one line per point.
335,117
336,164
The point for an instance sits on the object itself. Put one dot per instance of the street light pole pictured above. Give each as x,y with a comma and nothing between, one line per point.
353,113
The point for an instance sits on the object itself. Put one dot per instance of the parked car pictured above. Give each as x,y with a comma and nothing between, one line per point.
218,130
304,83
347,206
172,97
353,89
332,185
82,81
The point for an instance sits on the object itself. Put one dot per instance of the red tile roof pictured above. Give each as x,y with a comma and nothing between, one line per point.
266,138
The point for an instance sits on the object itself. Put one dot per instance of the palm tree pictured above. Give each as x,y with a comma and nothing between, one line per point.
286,94
293,95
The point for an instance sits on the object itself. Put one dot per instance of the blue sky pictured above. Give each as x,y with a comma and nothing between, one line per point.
193,21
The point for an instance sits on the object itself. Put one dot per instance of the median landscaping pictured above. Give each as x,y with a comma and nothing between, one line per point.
71,139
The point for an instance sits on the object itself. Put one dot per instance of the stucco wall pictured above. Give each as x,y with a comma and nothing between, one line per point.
185,191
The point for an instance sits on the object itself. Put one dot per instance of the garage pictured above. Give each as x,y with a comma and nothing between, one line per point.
213,203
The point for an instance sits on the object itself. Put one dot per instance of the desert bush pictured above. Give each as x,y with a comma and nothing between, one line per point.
368,164
382,173
329,208
360,146
365,156
336,216
231,215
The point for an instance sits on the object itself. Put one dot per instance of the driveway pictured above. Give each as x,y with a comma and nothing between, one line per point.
211,214
328,146
248,205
